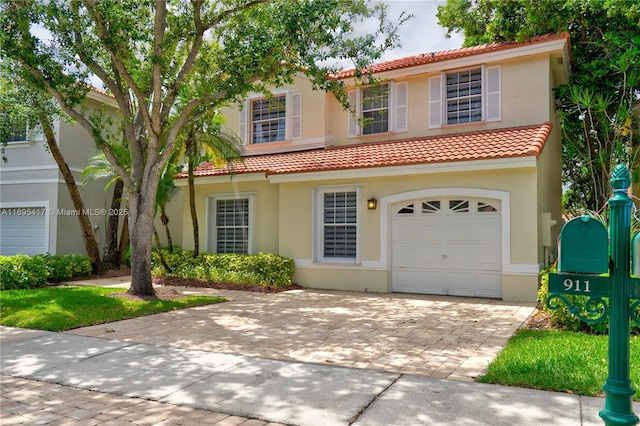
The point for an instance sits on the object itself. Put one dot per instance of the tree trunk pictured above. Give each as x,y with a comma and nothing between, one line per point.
165,222
163,261
141,207
192,207
90,244
124,239
111,258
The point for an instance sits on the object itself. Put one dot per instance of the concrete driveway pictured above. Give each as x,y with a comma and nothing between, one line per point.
439,337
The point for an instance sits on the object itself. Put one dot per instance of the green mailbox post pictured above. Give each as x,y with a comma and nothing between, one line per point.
582,259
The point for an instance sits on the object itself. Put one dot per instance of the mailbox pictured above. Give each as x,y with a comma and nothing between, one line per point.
583,247
635,254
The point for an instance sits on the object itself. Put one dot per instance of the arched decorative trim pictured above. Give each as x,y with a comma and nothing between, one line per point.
386,216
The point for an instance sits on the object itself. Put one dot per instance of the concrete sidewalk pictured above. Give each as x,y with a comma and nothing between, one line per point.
263,390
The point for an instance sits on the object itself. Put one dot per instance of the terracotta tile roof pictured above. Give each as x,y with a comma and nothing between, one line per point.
526,141
432,57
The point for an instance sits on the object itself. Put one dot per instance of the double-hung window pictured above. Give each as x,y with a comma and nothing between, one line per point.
230,224
268,119
18,132
336,227
378,109
465,96
276,118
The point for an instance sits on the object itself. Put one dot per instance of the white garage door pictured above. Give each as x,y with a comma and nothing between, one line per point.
22,231
447,246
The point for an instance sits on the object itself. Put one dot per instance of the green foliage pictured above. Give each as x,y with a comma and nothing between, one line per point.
263,269
150,55
558,360
22,271
62,267
596,106
563,319
64,308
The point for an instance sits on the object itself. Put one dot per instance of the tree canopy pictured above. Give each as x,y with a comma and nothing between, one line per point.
149,54
596,107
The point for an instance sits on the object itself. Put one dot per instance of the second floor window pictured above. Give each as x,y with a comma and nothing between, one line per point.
375,109
464,96
379,109
276,118
268,119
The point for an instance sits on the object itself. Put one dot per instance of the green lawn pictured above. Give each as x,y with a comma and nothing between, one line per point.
558,360
64,308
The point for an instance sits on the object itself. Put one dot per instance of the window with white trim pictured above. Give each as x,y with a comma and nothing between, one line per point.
275,118
465,96
18,132
337,226
379,109
21,133
268,118
230,224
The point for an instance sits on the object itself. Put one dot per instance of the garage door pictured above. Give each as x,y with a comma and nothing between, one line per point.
22,231
447,246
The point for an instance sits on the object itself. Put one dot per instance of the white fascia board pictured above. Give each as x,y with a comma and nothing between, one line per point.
473,60
104,99
461,166
245,177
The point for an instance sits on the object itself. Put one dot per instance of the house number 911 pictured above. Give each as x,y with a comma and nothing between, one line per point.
575,285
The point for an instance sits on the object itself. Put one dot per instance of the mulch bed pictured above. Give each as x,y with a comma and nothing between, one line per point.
184,282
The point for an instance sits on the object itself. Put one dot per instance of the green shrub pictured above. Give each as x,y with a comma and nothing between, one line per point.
564,319
63,267
263,269
22,272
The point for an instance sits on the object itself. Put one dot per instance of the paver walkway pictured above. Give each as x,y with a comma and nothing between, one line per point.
440,337
32,402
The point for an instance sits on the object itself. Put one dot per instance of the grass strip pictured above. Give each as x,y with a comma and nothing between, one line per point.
560,361
65,308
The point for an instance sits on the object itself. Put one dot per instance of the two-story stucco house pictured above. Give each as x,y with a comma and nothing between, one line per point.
452,184
36,211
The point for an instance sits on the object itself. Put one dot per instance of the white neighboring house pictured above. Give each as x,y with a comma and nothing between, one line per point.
36,211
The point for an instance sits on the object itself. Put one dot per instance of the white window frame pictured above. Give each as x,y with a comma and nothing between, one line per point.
293,117
212,227
319,225
397,109
491,96
32,134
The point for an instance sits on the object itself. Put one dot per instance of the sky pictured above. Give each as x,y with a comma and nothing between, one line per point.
421,34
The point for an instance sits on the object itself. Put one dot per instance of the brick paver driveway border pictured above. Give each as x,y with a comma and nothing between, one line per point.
440,337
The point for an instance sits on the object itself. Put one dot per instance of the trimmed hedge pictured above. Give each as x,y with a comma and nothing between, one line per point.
563,319
63,267
264,269
23,272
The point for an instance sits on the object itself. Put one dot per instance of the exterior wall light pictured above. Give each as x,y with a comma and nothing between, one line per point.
372,203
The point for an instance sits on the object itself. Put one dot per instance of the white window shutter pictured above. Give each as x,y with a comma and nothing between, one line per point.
244,127
493,107
401,104
435,102
354,128
296,116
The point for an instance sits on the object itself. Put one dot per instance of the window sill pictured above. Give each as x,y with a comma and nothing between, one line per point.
374,135
18,144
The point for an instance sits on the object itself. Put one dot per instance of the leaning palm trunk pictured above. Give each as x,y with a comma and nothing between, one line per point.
88,236
192,207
